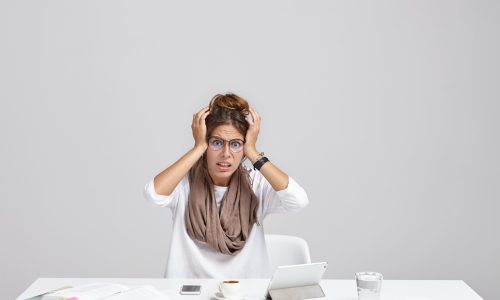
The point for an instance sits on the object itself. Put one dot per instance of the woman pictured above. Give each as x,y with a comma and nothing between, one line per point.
218,205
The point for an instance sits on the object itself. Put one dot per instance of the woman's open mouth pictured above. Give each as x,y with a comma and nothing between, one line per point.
223,166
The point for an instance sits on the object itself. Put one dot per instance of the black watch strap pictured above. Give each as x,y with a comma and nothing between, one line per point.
260,162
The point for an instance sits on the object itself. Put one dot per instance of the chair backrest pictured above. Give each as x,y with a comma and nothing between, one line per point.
286,250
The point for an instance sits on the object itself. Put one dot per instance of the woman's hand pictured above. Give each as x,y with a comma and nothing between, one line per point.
200,128
277,178
168,179
250,148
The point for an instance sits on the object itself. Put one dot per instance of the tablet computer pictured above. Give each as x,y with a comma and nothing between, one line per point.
297,276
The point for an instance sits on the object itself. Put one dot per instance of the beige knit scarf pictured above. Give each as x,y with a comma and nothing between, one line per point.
227,228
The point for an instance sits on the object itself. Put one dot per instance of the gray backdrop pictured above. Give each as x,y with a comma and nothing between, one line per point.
386,112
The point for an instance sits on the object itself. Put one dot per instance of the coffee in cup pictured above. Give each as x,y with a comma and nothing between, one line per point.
230,288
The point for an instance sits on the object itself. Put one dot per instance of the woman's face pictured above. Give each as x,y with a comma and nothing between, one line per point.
223,162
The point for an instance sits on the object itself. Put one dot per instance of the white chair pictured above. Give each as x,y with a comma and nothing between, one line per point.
286,250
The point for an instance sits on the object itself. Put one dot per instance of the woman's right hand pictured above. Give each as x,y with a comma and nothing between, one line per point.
168,179
200,128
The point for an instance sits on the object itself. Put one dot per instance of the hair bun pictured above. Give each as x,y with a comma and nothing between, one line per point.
229,101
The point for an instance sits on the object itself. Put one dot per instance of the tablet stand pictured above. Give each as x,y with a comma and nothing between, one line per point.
297,293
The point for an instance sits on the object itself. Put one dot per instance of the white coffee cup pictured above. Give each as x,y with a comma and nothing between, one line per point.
230,288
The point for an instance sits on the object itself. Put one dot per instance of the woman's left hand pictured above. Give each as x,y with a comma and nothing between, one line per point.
250,148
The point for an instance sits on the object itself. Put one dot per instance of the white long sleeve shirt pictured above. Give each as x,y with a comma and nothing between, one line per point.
190,258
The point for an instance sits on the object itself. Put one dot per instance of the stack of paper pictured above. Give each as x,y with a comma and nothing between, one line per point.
106,291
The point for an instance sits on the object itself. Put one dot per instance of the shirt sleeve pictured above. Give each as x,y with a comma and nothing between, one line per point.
291,199
161,200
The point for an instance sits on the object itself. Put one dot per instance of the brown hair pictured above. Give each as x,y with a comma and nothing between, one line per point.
228,109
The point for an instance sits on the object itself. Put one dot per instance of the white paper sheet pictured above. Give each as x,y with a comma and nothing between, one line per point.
139,293
109,291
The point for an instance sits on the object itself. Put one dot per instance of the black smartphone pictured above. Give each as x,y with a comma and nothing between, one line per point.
191,290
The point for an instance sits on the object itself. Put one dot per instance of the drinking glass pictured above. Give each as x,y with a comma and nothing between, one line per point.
369,285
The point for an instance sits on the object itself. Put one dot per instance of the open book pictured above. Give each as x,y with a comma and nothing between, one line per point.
106,291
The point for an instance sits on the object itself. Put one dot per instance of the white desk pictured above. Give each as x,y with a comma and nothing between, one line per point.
256,288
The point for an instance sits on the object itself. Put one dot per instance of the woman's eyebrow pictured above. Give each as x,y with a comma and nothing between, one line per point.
216,136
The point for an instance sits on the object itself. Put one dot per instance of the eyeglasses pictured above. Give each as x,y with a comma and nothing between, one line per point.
216,144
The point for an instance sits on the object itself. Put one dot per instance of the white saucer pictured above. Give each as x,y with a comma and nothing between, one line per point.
219,296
